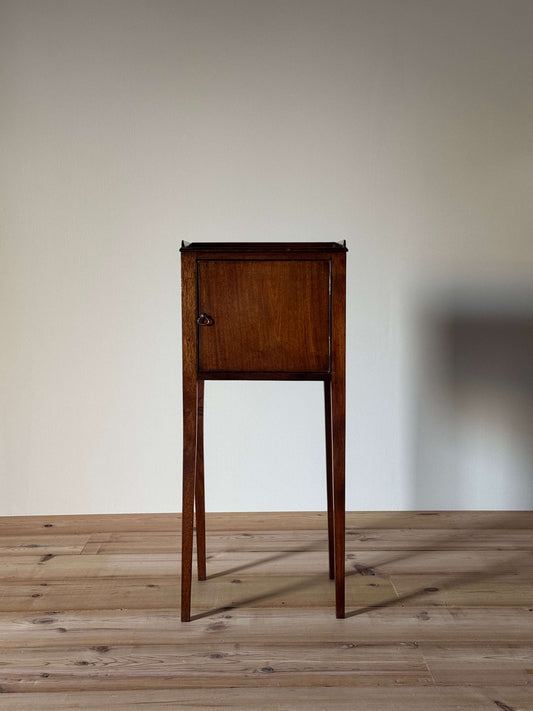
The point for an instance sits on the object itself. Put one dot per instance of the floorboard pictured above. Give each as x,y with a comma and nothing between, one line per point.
439,614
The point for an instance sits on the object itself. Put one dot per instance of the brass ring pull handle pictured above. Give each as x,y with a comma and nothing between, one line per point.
204,320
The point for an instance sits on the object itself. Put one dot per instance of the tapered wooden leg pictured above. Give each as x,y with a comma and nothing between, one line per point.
329,477
338,407
189,467
199,493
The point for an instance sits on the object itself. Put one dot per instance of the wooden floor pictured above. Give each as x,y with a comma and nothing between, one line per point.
440,614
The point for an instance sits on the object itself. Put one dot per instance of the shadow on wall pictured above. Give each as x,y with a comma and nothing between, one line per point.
474,405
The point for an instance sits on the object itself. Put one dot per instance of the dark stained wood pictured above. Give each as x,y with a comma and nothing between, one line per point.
190,395
338,416
267,315
199,494
263,311
329,477
260,375
263,247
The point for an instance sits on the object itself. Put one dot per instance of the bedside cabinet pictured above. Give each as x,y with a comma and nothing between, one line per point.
262,311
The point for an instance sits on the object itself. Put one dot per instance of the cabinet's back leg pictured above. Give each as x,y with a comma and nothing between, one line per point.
199,491
329,477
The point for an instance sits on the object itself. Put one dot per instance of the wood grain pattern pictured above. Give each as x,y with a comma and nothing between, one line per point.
221,664
361,539
161,625
101,526
431,623
269,315
455,698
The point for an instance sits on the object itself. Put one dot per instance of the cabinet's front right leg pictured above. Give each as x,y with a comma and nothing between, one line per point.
338,400
338,412
189,468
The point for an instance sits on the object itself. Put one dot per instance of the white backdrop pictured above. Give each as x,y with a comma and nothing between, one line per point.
403,127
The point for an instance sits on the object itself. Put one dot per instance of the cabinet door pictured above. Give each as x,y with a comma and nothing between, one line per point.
267,315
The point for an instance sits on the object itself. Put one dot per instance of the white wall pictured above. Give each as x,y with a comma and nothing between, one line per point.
127,125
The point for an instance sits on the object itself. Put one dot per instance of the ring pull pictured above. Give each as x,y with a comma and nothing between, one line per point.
204,320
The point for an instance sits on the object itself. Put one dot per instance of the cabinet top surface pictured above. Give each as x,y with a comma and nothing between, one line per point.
263,247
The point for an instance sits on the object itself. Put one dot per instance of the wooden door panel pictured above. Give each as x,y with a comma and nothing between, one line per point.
268,315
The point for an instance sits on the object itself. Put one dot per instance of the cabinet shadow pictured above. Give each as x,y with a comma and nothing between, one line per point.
473,406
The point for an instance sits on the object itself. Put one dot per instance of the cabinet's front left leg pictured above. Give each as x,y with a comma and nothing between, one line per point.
189,468
199,492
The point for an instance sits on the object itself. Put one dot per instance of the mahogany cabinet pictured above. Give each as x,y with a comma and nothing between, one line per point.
271,311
